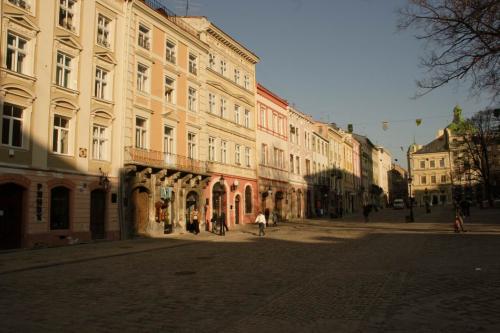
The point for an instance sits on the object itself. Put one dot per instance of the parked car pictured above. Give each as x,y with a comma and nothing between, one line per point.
398,204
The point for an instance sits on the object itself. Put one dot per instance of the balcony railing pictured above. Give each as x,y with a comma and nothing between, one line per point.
161,159
159,6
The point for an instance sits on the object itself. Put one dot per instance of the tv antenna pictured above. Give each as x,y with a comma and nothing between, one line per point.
187,7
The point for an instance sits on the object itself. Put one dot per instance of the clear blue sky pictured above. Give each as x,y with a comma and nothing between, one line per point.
340,61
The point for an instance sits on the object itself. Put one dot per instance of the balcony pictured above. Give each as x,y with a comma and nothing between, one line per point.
162,160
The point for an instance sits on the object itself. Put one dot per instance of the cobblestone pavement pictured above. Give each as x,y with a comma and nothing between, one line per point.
306,276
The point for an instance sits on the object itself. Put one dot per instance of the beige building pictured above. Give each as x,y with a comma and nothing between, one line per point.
384,168
430,171
299,148
272,140
62,79
229,107
319,198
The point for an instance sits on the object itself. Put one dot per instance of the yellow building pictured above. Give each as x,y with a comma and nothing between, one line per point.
230,125
430,170
60,91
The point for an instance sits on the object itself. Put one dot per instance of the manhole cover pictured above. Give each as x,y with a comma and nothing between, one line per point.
185,273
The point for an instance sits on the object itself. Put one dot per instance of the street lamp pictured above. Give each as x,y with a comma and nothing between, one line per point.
411,201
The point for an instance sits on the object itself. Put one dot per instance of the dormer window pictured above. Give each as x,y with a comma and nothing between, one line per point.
103,25
143,38
67,9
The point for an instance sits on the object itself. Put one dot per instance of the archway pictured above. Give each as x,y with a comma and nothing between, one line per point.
97,214
278,204
11,215
237,209
219,199
140,210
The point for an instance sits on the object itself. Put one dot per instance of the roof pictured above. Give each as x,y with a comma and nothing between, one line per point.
437,145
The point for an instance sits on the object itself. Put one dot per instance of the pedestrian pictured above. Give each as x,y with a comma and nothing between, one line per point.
459,220
195,221
261,220
223,225
273,218
214,222
366,211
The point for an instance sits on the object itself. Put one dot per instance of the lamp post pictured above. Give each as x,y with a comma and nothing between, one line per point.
411,201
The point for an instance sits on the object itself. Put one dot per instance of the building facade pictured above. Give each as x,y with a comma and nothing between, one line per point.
272,140
230,125
299,137
61,88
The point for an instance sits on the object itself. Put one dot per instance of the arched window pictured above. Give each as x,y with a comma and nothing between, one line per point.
59,208
248,200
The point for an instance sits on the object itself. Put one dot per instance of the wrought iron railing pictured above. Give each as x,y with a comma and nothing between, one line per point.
160,7
161,159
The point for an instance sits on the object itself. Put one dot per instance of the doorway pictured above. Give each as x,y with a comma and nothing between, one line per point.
191,203
98,214
237,209
140,210
11,215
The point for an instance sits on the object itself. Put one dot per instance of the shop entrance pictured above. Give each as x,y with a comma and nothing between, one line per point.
191,203
237,209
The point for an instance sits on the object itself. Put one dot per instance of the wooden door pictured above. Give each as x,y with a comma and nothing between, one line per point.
11,215
98,214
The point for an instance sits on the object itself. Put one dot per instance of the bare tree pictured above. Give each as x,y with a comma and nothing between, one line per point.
463,37
476,149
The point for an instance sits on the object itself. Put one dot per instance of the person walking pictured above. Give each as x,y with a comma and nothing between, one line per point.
261,220
459,220
195,223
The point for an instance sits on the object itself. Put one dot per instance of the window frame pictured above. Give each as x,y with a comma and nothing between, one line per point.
142,78
57,139
247,157
74,11
192,63
192,145
103,31
192,99
101,82
246,118
11,120
141,132
237,154
170,95
16,52
102,142
171,52
64,72
144,36
212,149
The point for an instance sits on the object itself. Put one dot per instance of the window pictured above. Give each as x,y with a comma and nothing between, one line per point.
170,52
16,53
263,154
168,140
308,167
441,163
236,76
101,84
169,90
192,145
60,135
292,169
211,60
223,67
246,82
247,156
192,99
142,78
63,70
59,208
211,148
143,37
237,114
248,200
246,120
433,179
297,164
432,164
422,164
423,180
67,10
140,132
192,64
103,24
237,154
223,103
443,179
24,4
223,151
262,111
211,103
12,126
99,142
